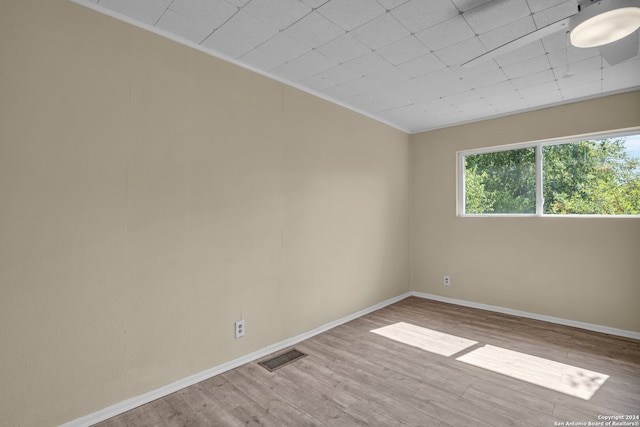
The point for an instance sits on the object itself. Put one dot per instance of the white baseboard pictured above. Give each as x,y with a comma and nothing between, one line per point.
134,402
142,399
551,319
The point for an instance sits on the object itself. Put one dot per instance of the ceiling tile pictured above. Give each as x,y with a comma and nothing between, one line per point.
184,27
593,63
363,84
363,104
495,89
238,3
555,41
275,52
485,79
475,108
397,60
352,101
350,14
341,91
211,13
622,76
571,55
389,76
409,87
417,15
332,77
563,72
344,48
438,84
524,68
403,50
505,34
314,3
422,65
534,79
240,35
538,5
391,4
550,96
380,31
532,50
147,11
444,76
314,30
304,66
261,61
384,99
438,107
554,14
496,14
479,68
461,52
280,13
510,106
445,34
581,91
534,92
409,117
368,64
465,97
579,78
465,5
407,111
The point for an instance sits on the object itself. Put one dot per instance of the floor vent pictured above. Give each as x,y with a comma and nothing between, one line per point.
282,359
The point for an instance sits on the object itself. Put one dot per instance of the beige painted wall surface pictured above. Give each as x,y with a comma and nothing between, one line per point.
583,269
152,195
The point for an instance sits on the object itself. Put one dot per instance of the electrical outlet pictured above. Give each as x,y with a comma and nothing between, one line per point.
447,280
239,328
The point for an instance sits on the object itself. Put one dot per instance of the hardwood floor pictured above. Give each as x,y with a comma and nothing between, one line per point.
353,377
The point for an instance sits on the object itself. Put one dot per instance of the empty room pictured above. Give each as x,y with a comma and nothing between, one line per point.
319,212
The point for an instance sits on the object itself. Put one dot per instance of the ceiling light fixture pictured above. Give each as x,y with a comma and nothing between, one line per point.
604,22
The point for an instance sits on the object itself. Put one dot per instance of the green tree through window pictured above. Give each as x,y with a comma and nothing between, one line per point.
591,177
598,177
502,182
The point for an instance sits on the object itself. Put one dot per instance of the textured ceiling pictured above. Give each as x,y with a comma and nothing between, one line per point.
395,60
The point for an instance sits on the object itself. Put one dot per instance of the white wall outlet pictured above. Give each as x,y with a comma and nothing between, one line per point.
447,280
239,328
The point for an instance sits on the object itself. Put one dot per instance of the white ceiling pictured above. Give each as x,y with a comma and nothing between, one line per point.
395,60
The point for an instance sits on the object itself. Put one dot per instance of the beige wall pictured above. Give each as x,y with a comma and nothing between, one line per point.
152,195
583,269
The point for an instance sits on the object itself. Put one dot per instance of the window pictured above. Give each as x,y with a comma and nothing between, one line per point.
589,176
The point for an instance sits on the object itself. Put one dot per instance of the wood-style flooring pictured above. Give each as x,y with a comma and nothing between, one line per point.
353,377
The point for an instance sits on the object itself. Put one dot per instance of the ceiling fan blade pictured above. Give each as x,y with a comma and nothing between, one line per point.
621,50
561,25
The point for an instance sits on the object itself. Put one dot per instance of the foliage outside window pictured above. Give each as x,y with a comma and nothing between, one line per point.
587,177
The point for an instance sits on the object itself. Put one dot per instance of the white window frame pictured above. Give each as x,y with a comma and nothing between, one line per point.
538,145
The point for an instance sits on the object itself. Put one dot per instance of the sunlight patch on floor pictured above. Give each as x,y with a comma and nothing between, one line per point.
556,376
424,338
